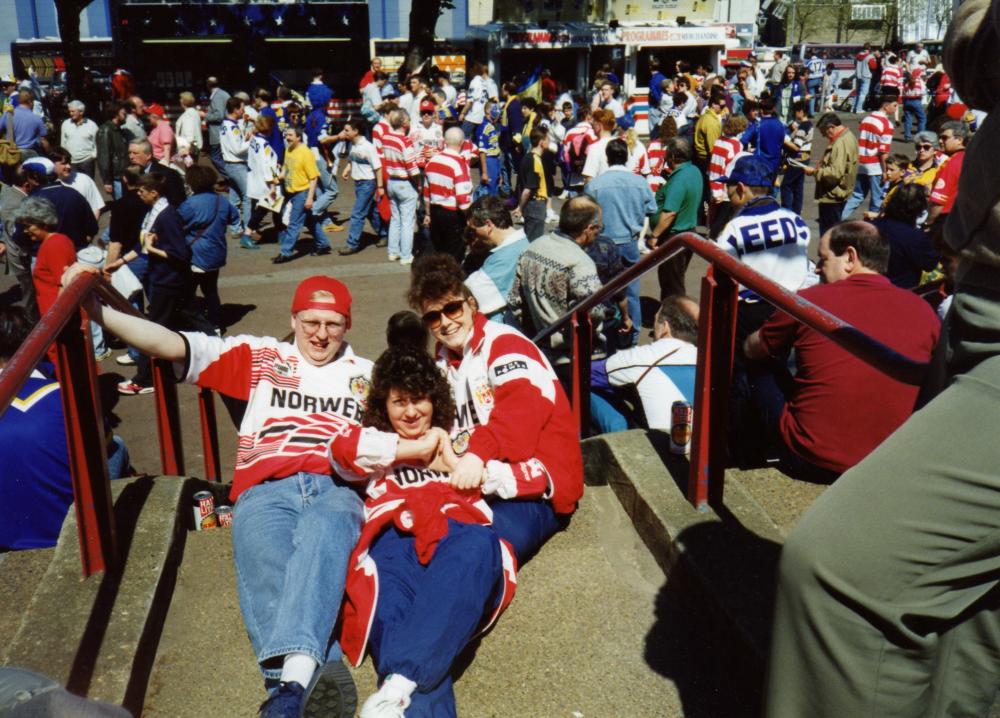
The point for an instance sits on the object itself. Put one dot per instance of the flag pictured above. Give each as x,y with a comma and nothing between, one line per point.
532,86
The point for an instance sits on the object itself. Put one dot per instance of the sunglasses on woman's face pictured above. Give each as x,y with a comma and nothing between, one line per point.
452,310
925,147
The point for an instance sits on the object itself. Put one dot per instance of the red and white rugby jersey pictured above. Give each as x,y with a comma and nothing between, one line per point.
416,500
657,155
638,159
914,89
294,408
469,151
448,183
399,156
576,134
428,141
378,132
511,408
892,76
724,152
874,140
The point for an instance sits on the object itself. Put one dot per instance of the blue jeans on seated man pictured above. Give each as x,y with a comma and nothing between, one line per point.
864,185
292,539
629,251
298,217
365,207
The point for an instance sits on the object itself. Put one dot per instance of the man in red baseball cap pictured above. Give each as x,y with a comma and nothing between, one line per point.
295,522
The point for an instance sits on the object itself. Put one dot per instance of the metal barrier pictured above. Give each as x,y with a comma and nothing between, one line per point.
716,335
66,325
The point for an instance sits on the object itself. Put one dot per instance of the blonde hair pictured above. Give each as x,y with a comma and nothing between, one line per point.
186,99
630,139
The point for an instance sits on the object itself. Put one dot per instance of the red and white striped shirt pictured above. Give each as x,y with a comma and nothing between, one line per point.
914,89
874,140
657,156
428,141
724,151
379,131
447,181
469,152
399,156
892,76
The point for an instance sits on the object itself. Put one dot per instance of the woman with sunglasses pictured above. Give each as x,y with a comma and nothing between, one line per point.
926,163
429,572
511,407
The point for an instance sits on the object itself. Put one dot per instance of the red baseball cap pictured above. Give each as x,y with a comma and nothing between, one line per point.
156,109
428,106
340,301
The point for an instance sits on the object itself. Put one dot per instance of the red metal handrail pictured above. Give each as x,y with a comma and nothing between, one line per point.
66,325
716,335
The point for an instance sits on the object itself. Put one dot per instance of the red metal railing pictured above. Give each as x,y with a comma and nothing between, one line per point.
64,324
716,335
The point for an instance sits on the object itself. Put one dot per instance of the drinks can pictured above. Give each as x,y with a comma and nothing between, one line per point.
225,515
681,423
204,511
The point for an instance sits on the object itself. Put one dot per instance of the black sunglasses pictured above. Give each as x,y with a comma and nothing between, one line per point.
452,310
925,147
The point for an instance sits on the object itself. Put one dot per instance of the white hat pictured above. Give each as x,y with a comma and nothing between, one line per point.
39,164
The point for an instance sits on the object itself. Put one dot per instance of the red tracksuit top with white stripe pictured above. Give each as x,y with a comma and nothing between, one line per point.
874,140
399,156
418,501
294,408
511,408
447,181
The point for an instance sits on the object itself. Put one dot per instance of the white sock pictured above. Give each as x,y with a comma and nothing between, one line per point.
298,667
399,685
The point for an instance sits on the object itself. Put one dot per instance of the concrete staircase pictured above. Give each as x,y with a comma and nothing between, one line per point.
643,607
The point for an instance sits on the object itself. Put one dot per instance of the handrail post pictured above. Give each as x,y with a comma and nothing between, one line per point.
86,445
716,337
168,418
582,349
209,434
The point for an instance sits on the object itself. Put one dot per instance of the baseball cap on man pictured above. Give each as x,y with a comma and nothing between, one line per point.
751,171
156,109
428,106
39,164
339,301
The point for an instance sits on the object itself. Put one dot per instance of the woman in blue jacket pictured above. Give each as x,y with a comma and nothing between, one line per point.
790,90
205,215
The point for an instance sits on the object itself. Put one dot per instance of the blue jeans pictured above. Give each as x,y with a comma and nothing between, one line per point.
608,413
629,251
237,173
493,167
654,119
297,218
291,542
118,459
365,207
864,185
813,87
426,615
403,203
913,108
862,87
326,192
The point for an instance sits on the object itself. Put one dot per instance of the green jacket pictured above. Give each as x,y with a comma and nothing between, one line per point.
838,169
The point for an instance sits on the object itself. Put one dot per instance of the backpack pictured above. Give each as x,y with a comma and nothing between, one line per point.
578,153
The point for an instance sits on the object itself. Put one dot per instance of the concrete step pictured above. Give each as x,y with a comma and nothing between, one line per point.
98,636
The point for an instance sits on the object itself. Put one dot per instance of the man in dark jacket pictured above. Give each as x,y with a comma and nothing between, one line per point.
112,150
76,219
140,153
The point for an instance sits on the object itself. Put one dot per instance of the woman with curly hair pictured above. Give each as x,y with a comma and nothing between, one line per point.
428,566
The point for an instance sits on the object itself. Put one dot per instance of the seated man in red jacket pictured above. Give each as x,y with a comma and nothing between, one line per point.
837,408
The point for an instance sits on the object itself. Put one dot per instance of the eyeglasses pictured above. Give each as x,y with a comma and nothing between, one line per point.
944,138
311,326
925,147
452,310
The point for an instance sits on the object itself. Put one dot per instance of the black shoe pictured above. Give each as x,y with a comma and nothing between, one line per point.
320,252
332,693
348,251
382,242
281,259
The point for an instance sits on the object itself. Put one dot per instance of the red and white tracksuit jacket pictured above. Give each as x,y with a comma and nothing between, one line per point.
511,409
416,500
294,408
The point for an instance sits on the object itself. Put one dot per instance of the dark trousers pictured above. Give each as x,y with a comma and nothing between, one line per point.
671,273
447,231
829,215
87,167
208,283
534,218
169,307
792,189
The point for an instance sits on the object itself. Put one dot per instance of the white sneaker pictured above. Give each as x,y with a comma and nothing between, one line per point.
393,257
391,700
551,216
408,260
563,195
125,360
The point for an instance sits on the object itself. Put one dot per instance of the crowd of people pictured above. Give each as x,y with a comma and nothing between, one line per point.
430,470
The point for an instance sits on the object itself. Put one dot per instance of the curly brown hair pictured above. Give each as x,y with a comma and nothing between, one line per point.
412,372
436,276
